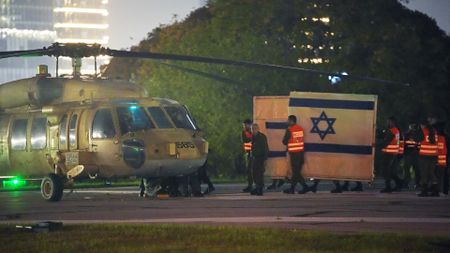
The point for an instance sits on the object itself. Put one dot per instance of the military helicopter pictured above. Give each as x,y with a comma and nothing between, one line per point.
65,128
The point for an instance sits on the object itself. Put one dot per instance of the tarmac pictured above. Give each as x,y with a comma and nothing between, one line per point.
349,212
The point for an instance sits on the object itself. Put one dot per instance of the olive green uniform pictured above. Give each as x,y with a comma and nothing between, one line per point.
260,152
247,161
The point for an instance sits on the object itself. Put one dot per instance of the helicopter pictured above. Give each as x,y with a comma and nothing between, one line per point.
65,128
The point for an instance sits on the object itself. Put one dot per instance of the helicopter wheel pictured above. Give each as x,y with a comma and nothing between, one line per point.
52,187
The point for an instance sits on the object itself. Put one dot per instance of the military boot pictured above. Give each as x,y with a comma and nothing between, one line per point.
306,189
387,188
291,190
209,190
344,187
313,188
434,190
337,189
358,187
259,191
273,186
423,192
247,189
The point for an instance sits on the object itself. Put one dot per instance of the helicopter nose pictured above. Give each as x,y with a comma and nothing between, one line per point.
133,153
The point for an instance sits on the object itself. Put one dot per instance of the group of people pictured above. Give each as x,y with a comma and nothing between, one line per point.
256,152
422,147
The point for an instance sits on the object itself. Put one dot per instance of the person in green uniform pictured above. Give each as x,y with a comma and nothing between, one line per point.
259,154
411,157
246,139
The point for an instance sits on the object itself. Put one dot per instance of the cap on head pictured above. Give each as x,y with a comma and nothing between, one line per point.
292,118
248,121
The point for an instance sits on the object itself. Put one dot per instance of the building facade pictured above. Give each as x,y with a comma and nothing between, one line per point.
31,24
24,24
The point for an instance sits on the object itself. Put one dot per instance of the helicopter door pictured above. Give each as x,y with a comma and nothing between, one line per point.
104,140
73,130
63,133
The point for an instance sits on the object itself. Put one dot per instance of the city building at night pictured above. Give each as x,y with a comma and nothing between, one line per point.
316,36
31,24
25,24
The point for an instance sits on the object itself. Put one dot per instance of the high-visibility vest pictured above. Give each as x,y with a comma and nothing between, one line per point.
401,147
394,146
296,142
411,144
426,147
442,151
247,145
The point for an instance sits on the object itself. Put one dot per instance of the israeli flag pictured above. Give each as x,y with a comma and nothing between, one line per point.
339,134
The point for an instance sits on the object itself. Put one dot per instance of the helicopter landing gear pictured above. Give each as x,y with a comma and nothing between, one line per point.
52,187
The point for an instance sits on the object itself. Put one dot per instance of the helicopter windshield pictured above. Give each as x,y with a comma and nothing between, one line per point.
180,117
132,119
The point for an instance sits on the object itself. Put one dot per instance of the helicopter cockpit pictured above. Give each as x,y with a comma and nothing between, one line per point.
135,118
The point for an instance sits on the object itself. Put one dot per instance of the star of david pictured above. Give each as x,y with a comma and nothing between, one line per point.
323,133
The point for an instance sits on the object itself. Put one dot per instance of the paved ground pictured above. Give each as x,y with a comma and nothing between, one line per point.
347,212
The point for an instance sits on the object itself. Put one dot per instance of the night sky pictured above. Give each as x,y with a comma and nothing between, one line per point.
131,20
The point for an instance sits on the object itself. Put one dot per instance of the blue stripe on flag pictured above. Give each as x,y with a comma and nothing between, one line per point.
276,125
333,104
274,154
337,148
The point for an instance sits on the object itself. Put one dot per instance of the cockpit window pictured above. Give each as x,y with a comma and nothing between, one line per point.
132,119
159,117
180,117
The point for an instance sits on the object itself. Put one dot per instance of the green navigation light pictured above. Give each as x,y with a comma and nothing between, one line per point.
14,183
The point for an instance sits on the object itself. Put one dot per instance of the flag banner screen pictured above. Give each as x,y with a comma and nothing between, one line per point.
271,113
339,134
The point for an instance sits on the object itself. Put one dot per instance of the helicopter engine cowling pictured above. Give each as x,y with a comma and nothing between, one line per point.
33,91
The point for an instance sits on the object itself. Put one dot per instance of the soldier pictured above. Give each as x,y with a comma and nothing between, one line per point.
428,153
247,147
390,149
293,138
204,178
410,156
259,153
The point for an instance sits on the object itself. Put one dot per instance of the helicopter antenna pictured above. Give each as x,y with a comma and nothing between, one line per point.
57,65
95,66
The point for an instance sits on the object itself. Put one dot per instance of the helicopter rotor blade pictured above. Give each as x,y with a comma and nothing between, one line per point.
201,59
80,50
203,74
24,53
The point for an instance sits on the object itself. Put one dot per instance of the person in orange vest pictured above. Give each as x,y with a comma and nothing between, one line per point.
294,140
246,139
441,168
390,149
428,153
410,157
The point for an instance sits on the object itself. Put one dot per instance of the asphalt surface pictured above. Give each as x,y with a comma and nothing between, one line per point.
347,212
